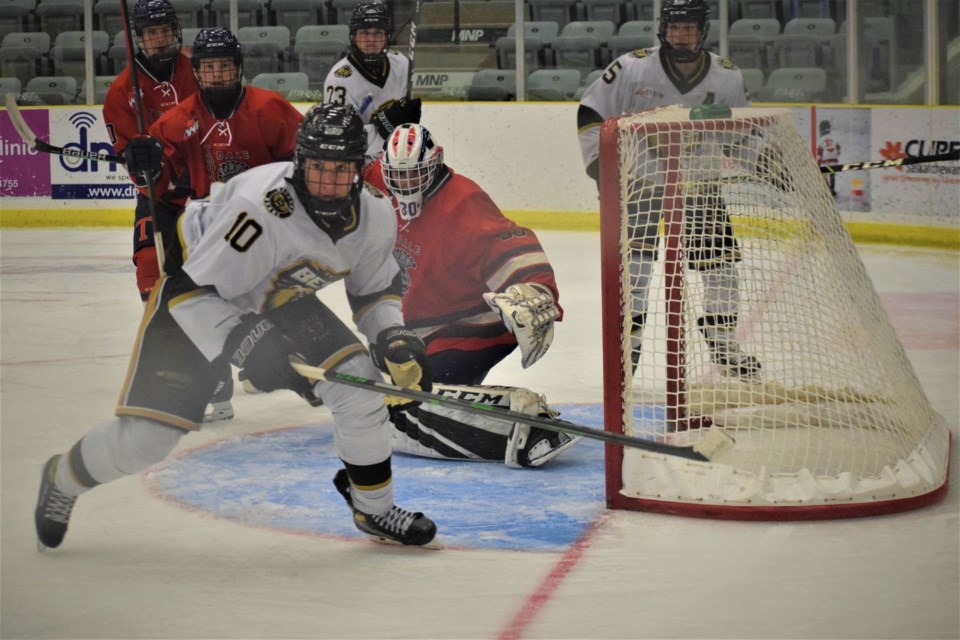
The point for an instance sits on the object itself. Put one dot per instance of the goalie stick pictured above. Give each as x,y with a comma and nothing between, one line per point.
950,156
714,443
35,143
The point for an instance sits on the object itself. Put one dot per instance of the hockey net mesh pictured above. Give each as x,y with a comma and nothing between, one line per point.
735,298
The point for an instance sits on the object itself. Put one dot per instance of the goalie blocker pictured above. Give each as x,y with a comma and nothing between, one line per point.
441,432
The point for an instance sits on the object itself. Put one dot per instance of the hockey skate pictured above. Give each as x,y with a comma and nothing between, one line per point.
725,351
220,407
542,446
398,526
53,509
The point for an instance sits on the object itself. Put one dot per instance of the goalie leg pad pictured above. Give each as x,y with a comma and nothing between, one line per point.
442,432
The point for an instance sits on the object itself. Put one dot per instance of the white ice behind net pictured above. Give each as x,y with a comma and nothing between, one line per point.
835,412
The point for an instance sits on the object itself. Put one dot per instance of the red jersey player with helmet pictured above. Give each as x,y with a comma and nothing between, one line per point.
223,130
476,285
212,136
165,79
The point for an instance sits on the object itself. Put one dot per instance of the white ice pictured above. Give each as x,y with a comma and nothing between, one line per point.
135,566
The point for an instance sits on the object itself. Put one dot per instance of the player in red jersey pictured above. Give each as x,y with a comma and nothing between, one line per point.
165,79
223,130
212,136
476,285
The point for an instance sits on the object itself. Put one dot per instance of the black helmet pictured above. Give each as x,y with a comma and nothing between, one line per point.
330,132
371,15
824,127
152,13
683,11
217,42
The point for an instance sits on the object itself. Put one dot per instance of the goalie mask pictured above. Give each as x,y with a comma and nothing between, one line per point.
410,164
684,12
157,51
330,133
370,16
221,84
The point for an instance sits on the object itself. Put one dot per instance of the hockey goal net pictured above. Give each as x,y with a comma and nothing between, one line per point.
734,299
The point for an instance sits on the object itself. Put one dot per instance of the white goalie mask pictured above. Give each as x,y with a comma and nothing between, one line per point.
410,163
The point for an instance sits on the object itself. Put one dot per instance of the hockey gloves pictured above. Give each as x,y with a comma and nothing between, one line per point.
144,156
402,111
263,353
403,355
528,311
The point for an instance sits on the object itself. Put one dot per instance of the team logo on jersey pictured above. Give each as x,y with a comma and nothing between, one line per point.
726,64
301,279
192,128
229,169
406,262
343,72
279,202
641,53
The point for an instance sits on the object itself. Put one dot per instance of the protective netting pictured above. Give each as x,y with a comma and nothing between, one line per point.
743,304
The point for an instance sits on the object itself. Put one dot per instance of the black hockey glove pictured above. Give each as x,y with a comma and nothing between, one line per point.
403,355
262,353
402,111
144,156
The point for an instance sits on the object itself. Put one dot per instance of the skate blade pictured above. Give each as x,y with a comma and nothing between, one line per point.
216,415
433,545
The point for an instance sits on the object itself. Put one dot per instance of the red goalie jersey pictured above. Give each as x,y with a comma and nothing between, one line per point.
460,247
262,129
157,97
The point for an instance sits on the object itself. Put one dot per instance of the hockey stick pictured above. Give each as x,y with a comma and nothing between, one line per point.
141,127
950,156
37,144
412,45
714,443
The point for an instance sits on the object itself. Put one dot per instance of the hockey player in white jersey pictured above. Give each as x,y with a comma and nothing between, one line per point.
679,71
373,78
242,287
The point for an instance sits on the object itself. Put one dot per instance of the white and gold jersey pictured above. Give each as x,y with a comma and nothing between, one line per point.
644,79
254,244
349,83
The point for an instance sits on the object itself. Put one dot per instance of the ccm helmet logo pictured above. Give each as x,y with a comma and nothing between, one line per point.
332,147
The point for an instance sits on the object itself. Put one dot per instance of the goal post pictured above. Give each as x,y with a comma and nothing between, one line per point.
734,298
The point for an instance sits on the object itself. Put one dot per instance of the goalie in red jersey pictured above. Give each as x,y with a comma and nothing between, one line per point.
476,286
165,79
211,137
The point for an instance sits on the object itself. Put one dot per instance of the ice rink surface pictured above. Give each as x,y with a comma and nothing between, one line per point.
161,556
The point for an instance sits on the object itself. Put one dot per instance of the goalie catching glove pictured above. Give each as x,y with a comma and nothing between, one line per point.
262,353
402,354
144,156
528,311
402,111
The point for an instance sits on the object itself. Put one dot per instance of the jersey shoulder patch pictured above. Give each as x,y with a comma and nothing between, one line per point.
279,202
374,191
726,63
641,53
344,72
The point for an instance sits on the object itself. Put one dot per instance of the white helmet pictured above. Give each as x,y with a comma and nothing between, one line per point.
410,163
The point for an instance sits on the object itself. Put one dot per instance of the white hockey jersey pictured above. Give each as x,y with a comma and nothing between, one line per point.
642,80
253,242
349,83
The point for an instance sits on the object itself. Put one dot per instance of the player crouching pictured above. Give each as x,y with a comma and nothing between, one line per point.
476,286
